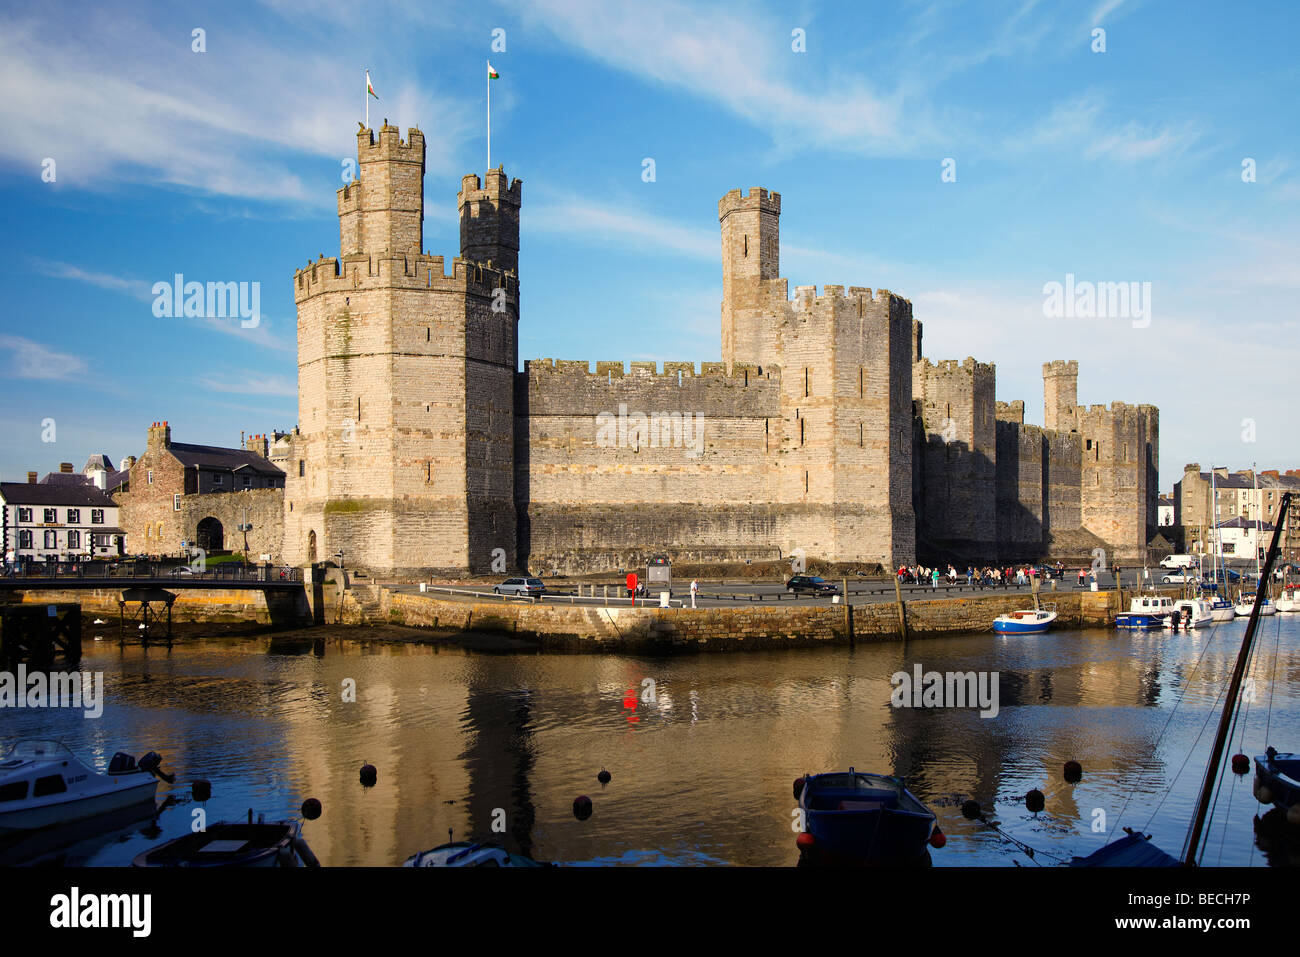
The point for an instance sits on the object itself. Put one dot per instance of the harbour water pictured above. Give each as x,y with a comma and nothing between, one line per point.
703,749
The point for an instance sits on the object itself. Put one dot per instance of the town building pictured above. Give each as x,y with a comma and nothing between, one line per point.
58,520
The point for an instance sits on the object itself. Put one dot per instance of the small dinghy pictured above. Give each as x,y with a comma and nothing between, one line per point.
264,844
1029,621
470,854
1277,782
857,818
1133,850
43,784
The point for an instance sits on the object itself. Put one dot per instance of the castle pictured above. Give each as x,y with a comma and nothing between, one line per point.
823,431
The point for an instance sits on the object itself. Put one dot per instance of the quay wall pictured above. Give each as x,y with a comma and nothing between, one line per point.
596,627
192,604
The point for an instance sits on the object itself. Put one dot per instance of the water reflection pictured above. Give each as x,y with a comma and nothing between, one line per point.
702,768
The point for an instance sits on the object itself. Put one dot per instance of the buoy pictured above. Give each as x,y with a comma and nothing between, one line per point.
1293,815
1240,764
805,841
202,790
311,809
1034,801
582,807
937,838
798,787
970,810
1073,772
369,775
604,776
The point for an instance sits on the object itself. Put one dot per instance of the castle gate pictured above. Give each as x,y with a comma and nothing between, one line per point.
209,535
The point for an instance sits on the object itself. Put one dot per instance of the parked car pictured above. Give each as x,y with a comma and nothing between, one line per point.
181,571
818,586
1225,576
531,587
1174,562
1179,577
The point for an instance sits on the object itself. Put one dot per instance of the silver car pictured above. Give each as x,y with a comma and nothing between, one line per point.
530,587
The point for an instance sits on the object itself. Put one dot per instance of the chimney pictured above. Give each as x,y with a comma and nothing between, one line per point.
65,468
31,478
258,444
160,435
128,462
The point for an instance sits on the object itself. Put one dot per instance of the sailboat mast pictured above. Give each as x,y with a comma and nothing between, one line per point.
1234,690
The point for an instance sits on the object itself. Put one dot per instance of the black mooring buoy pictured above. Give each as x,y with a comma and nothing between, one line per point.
202,790
1240,764
971,810
311,809
1073,772
582,807
1034,801
604,776
369,775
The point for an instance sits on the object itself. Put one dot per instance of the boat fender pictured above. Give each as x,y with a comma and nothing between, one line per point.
201,789
937,838
311,809
805,841
304,852
1034,801
369,775
798,787
1293,815
604,776
1240,764
1263,794
582,807
971,810
1073,772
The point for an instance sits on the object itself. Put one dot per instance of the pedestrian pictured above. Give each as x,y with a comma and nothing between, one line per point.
970,575
695,587
934,578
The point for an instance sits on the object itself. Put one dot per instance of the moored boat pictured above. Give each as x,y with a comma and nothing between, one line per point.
1146,612
43,784
860,818
1246,604
1190,613
1277,782
1289,601
238,844
470,854
1028,621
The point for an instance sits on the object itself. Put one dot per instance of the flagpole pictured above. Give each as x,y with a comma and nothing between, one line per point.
366,95
489,118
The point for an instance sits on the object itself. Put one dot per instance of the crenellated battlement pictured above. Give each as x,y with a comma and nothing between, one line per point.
1061,367
360,271
609,370
757,199
967,367
389,145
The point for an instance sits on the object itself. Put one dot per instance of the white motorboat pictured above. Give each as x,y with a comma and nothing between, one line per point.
470,854
1146,612
43,784
1191,613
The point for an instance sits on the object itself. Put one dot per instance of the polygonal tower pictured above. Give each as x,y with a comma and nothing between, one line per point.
403,458
751,259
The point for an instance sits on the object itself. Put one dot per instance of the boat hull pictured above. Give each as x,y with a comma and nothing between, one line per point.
227,845
78,808
1012,625
873,821
1277,781
1140,622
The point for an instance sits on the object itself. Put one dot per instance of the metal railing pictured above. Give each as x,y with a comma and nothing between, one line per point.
129,570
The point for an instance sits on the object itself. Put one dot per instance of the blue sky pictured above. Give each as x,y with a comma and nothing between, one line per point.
1115,166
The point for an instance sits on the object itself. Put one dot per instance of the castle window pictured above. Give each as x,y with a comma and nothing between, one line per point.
805,481
1088,446
767,431
801,421
859,435
358,408
428,334
746,252
806,385
302,468
862,382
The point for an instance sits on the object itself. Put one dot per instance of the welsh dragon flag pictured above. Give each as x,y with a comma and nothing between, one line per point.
370,89
492,74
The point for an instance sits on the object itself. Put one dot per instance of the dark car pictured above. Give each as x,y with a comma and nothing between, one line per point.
818,586
1224,576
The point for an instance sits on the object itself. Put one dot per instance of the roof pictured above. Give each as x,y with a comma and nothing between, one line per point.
116,480
30,493
1240,522
99,461
215,457
66,478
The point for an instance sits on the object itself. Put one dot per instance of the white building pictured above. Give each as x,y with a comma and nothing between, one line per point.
1240,539
1165,511
57,521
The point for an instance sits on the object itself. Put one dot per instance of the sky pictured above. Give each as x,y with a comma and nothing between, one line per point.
964,156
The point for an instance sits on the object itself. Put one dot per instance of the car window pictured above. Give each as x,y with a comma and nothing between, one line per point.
535,582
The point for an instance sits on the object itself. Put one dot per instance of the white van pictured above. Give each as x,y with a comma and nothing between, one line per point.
1178,561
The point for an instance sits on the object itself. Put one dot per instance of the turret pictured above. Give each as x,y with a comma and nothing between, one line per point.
489,219
383,209
1060,394
751,256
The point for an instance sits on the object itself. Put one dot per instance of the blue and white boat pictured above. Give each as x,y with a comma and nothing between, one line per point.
1277,782
1027,621
43,784
1146,612
470,854
856,818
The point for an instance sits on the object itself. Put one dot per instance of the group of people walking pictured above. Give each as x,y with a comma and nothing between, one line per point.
986,577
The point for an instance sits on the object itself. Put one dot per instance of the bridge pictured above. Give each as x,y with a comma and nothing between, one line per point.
141,574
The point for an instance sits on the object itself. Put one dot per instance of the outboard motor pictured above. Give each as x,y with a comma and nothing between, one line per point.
151,762
121,764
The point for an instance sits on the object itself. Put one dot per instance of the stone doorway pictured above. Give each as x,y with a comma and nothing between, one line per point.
210,536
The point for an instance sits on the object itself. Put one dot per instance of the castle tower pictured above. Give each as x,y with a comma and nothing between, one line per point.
1060,394
489,220
404,453
751,258
383,209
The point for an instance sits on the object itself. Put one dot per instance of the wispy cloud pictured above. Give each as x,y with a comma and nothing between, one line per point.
251,384
136,288
606,223
31,360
